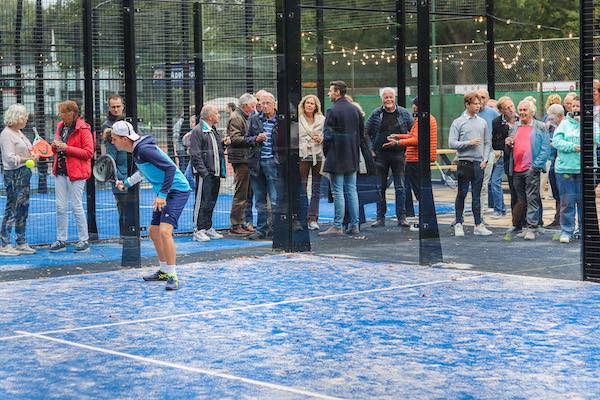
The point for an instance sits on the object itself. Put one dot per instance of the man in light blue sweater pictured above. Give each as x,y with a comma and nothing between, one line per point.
472,140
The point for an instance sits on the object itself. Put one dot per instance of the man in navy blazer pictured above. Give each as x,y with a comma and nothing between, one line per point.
343,127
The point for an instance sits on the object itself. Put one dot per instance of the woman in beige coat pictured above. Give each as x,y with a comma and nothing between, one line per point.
311,152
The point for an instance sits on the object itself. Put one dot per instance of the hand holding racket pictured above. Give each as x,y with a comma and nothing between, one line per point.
41,147
105,170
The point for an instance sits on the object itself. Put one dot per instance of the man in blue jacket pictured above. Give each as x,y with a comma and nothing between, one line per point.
172,192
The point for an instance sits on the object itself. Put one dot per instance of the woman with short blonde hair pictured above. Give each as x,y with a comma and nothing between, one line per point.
310,123
16,152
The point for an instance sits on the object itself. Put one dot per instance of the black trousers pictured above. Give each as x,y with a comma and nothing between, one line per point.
207,191
412,184
386,160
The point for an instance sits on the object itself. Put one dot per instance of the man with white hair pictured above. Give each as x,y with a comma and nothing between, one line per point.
263,162
530,145
208,165
389,119
237,126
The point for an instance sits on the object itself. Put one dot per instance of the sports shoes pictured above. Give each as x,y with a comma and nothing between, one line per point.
313,226
564,238
172,282
24,249
200,236
414,227
352,231
481,230
332,231
458,230
378,224
82,246
238,230
497,215
529,235
402,222
8,250
213,234
157,276
257,235
57,246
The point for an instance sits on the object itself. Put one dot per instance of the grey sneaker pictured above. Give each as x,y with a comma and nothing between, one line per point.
8,250
157,276
82,246
57,246
24,249
172,282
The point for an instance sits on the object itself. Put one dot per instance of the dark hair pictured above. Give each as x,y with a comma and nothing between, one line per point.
416,101
115,96
340,86
231,106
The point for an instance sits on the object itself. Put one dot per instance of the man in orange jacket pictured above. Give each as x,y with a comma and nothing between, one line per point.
411,141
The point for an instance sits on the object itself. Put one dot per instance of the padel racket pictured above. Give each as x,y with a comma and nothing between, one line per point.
105,169
41,147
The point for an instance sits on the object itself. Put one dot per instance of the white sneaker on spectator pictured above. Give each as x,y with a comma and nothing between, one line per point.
458,230
529,235
200,236
414,227
313,226
481,230
564,238
496,215
213,234
24,249
8,250
522,233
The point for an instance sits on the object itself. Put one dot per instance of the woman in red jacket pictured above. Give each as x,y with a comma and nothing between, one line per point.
73,149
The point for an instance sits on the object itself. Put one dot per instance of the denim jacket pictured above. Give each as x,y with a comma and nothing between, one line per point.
540,146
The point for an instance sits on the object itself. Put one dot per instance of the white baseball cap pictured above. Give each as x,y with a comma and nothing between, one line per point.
124,128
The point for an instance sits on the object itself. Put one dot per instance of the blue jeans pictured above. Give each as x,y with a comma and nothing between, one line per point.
469,173
344,185
497,195
569,187
264,184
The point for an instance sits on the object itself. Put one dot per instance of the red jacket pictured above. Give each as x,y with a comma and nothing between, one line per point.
80,150
411,141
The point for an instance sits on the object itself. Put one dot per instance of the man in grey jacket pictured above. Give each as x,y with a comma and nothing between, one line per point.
472,140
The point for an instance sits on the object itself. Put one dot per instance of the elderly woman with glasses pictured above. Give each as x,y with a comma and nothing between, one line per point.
16,152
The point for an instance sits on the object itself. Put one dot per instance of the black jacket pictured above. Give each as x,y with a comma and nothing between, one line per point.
499,132
202,154
342,132
255,126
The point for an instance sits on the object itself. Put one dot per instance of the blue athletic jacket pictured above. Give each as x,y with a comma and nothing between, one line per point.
157,168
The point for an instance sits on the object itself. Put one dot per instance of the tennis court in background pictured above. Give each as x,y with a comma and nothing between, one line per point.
300,326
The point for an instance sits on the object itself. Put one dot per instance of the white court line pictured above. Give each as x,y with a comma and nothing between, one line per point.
182,367
250,307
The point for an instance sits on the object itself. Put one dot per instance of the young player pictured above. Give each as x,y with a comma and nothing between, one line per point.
172,192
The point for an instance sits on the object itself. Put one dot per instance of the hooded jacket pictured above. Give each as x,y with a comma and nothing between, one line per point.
566,136
157,168
80,150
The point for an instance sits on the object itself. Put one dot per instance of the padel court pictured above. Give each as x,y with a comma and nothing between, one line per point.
300,326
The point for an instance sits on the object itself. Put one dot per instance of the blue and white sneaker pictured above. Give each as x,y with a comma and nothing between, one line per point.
57,246
172,282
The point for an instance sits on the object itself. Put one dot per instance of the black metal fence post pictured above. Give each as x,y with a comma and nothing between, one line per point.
401,52
490,48
40,108
590,242
131,256
88,88
198,60
430,248
289,222
320,54
248,21
18,54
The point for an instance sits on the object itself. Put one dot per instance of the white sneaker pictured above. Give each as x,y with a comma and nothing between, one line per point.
313,226
213,234
24,249
8,250
458,230
200,236
564,238
529,235
414,227
481,230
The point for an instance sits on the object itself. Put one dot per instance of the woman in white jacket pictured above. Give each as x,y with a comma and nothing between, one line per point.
311,151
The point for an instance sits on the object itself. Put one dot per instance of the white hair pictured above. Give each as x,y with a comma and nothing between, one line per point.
207,110
530,105
267,94
245,99
16,114
387,89
556,109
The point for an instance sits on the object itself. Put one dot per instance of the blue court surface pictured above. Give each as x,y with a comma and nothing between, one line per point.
300,327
